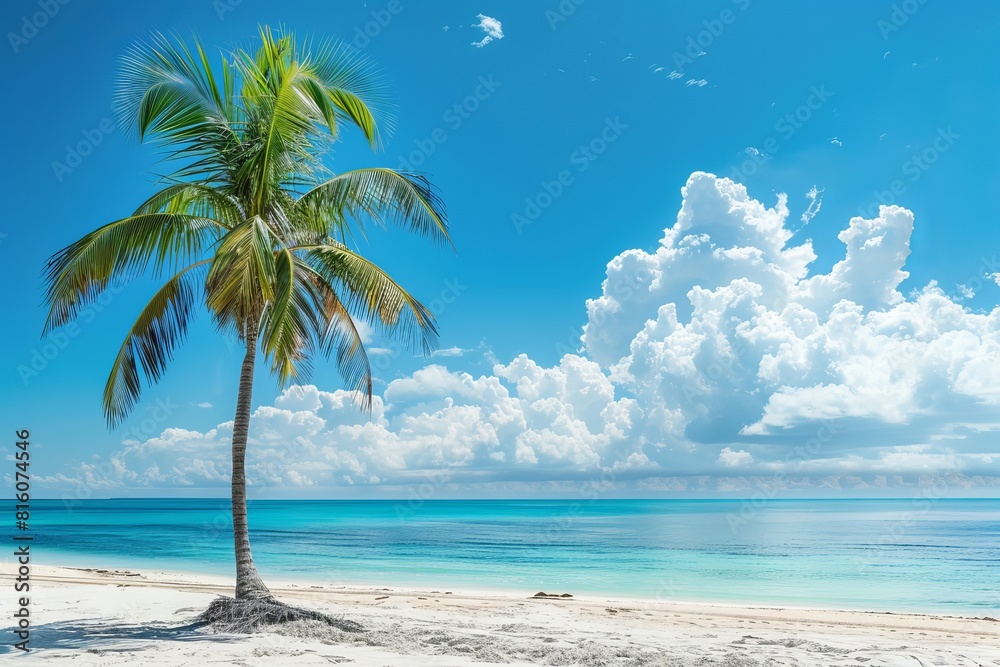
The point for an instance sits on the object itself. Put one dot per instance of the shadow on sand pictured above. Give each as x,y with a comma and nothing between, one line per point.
105,635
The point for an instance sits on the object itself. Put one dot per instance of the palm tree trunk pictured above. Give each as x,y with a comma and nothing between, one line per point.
248,583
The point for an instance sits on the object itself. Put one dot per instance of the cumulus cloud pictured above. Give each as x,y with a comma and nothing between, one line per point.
521,416
491,27
730,459
716,362
723,335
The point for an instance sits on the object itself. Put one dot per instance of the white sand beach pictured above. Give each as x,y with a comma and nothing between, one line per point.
93,617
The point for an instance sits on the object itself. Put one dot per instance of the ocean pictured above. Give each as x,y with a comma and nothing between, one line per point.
936,555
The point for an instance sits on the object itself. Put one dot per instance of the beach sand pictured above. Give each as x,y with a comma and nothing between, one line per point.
92,617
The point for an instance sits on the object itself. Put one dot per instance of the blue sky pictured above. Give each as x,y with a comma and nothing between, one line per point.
612,108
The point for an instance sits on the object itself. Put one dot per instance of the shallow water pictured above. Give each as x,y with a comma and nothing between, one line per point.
897,555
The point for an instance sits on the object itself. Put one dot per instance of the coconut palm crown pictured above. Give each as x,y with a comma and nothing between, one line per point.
252,226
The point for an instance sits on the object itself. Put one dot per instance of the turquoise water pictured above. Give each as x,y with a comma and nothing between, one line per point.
897,555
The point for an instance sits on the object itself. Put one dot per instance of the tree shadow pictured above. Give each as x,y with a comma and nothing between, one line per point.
107,635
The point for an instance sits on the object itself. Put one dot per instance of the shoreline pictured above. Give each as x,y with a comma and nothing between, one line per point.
100,616
286,580
219,583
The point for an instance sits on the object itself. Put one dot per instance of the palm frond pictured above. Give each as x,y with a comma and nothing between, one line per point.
369,293
166,90
338,334
383,195
363,95
281,121
149,345
289,330
195,199
242,276
76,275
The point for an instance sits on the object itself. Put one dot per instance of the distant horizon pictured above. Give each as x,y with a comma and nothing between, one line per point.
750,499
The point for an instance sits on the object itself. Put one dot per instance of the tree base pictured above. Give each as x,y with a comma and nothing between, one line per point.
245,616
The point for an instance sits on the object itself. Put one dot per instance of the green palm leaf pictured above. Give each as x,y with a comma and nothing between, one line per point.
383,195
289,328
338,334
149,344
373,295
241,279
113,254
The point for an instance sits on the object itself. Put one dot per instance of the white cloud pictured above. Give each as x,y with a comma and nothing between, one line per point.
491,27
815,198
450,352
836,142
718,343
730,459
696,82
674,75
722,334
365,331
204,404
567,415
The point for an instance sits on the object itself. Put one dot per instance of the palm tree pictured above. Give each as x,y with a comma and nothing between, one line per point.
252,226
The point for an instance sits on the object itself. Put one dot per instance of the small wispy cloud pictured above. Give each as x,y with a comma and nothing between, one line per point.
628,57
696,82
815,198
451,352
674,75
204,404
491,27
380,350
836,142
658,69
